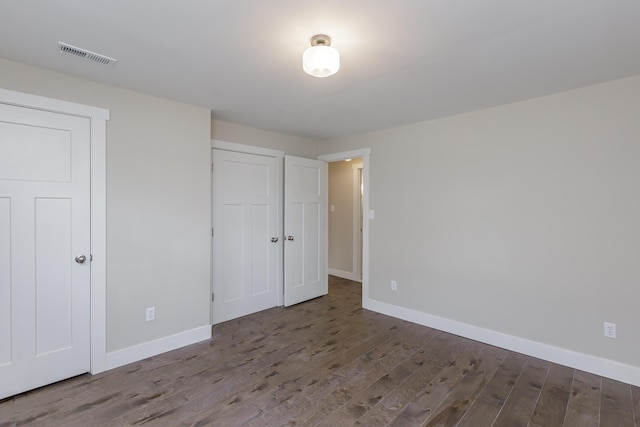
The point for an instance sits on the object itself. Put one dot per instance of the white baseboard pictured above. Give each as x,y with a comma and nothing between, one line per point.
151,348
343,274
584,362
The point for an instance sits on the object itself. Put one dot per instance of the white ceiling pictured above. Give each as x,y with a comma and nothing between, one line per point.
402,60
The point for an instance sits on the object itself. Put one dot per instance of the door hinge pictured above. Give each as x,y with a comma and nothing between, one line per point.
212,232
213,297
90,257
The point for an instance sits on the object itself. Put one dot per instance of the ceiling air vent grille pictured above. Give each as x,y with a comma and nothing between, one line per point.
86,54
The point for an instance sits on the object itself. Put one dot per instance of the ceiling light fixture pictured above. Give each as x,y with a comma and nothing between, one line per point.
321,60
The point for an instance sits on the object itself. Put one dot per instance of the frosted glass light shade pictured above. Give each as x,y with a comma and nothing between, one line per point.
321,61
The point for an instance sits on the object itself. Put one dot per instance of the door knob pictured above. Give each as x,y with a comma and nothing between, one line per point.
289,237
274,239
80,259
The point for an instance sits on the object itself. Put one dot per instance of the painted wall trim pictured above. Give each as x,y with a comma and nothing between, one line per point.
364,154
52,104
345,155
349,275
161,345
98,117
98,245
357,223
248,149
585,362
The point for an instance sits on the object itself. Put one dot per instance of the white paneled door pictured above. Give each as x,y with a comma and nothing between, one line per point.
245,237
305,228
44,248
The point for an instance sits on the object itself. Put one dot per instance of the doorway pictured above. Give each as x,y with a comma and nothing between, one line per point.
345,219
358,181
245,234
52,255
300,198
269,229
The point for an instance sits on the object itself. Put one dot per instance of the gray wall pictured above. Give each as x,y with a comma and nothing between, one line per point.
292,145
158,204
522,219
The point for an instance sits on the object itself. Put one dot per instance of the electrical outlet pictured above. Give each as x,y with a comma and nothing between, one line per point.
394,285
609,330
150,313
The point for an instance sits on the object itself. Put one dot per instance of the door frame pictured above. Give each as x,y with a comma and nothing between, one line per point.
98,121
364,154
279,155
358,220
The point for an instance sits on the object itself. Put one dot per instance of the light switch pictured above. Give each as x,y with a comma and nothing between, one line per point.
333,208
372,214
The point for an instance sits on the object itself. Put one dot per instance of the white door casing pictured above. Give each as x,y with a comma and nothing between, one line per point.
364,154
245,239
45,183
98,119
305,227
357,221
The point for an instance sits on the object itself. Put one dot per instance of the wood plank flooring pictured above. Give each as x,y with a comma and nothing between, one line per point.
327,362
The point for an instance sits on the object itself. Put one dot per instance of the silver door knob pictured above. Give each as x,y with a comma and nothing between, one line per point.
289,237
80,259
274,239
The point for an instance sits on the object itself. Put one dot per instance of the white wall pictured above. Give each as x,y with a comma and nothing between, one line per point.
292,145
158,204
522,219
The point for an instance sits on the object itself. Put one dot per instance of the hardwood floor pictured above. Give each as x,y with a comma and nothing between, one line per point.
327,362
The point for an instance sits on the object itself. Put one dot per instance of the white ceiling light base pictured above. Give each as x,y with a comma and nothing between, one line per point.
321,60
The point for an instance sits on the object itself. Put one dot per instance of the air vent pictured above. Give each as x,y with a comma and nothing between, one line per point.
86,54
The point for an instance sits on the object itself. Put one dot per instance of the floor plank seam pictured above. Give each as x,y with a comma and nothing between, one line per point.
510,392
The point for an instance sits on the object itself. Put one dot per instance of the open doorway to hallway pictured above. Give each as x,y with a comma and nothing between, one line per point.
345,220
362,155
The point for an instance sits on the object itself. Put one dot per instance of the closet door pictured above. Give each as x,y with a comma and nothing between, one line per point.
245,234
305,227
44,248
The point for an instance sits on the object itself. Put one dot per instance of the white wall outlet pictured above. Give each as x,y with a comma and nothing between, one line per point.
150,313
609,330
394,285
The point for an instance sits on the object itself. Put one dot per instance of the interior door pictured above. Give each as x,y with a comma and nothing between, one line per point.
44,229
305,226
245,237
